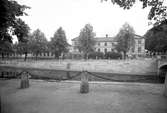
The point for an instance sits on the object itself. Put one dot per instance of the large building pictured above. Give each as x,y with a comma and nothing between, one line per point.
139,48
108,44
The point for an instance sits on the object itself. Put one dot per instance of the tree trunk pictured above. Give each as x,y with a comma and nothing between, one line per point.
25,58
2,55
124,55
36,55
55,56
85,56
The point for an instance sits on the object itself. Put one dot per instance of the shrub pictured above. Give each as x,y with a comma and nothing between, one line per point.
73,56
113,55
94,55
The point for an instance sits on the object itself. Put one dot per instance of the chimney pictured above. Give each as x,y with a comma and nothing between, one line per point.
106,35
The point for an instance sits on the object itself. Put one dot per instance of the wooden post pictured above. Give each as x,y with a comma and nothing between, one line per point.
165,85
84,86
24,80
68,73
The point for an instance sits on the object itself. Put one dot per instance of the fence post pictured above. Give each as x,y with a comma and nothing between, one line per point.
84,86
24,80
165,85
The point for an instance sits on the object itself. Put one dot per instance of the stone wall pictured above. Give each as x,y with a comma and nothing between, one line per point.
140,67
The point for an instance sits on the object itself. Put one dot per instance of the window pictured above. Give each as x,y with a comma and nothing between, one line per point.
98,50
139,49
105,43
98,43
105,50
139,41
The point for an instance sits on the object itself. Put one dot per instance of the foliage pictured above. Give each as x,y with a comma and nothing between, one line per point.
156,38
21,30
73,56
10,23
22,48
113,55
94,55
5,48
86,40
158,11
59,43
38,42
125,39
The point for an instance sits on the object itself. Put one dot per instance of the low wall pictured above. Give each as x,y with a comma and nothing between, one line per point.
139,67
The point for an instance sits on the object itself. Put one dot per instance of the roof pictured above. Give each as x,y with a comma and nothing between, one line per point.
74,39
104,39
138,36
99,39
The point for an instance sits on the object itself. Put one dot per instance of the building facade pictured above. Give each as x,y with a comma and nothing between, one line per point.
139,46
108,44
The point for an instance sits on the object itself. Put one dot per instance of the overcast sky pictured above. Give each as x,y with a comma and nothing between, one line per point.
72,15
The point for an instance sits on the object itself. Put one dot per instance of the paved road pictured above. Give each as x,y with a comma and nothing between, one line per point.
64,97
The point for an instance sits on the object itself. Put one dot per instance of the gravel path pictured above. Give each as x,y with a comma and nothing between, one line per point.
64,97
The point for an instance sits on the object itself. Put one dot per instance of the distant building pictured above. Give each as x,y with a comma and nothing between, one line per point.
108,44
102,44
139,46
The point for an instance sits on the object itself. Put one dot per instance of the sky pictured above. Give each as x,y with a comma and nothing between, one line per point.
72,15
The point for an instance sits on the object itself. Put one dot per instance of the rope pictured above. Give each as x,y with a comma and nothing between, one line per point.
100,76
78,74
72,77
33,75
110,79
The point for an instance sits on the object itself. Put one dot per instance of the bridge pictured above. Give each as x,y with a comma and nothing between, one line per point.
162,65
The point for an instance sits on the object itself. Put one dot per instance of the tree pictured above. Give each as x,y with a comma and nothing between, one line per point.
11,24
125,39
38,42
23,48
5,48
59,43
156,38
86,40
10,21
158,11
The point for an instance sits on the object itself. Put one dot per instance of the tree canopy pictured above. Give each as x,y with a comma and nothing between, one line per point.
125,38
22,48
38,42
59,43
156,38
11,24
10,21
158,9
86,40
